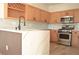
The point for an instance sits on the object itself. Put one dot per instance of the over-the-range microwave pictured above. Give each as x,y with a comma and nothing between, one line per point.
67,19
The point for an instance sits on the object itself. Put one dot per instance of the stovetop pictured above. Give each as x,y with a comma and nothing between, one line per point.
64,31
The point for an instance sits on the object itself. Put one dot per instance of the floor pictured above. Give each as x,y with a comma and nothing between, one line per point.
56,49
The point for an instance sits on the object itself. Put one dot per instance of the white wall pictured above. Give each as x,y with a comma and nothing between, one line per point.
63,6
1,10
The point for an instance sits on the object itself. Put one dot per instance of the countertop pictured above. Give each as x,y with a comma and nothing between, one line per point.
23,31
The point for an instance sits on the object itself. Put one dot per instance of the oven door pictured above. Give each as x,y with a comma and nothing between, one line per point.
65,38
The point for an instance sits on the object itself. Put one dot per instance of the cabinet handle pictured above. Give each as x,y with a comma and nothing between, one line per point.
6,47
34,18
45,20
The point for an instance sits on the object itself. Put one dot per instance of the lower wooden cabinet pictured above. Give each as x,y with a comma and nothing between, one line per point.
75,39
10,43
53,35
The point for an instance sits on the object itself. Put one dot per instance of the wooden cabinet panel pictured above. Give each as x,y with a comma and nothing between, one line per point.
76,15
67,13
45,16
53,35
42,19
9,45
15,10
2,43
75,39
14,45
29,12
32,13
55,17
70,13
36,14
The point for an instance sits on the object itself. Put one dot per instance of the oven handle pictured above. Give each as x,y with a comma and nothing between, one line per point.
65,33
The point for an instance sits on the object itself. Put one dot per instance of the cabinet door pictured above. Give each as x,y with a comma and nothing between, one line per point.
55,17
42,16
2,43
48,17
53,35
76,15
62,14
13,43
75,39
14,10
69,13
36,14
66,13
29,12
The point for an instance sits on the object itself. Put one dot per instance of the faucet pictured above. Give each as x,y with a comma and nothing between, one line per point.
19,25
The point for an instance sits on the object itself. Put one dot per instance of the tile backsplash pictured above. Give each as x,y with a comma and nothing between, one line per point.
77,26
11,24
54,26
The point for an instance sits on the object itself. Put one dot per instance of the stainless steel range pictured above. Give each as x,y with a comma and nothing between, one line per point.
65,37
65,33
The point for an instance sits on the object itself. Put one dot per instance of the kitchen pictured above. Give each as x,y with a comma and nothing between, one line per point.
55,25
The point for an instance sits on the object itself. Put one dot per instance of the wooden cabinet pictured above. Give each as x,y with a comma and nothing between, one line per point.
2,43
29,12
55,17
9,45
14,45
76,15
75,39
36,14
45,16
67,13
53,35
14,10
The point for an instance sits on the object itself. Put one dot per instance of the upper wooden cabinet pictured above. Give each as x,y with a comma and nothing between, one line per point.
55,17
14,10
67,13
36,14
29,12
32,13
45,16
48,16
76,16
